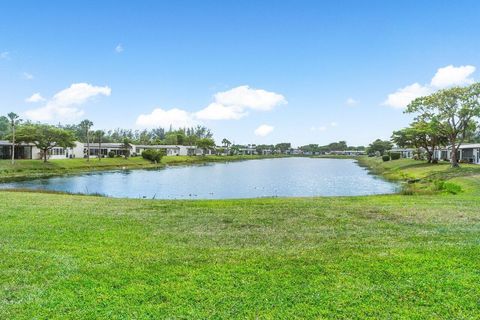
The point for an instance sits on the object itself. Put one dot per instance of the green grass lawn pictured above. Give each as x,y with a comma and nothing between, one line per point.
389,257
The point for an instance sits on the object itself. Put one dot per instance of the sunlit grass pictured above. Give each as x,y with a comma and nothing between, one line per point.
391,256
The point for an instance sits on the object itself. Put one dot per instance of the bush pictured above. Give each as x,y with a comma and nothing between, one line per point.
447,187
111,154
395,155
386,158
153,155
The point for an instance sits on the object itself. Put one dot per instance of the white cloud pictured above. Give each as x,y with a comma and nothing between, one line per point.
177,118
351,102
444,77
4,55
333,124
36,97
119,48
246,97
402,97
64,105
232,104
235,103
27,76
263,130
217,111
453,76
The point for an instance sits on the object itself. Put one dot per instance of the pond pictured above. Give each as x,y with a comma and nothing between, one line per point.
281,177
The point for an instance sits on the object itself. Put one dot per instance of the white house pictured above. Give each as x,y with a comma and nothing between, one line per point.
469,152
404,152
30,151
170,150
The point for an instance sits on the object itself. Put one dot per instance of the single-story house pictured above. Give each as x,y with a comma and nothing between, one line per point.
248,150
469,152
30,151
404,152
118,149
170,150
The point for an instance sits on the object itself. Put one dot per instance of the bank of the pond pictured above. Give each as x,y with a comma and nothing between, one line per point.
32,169
419,177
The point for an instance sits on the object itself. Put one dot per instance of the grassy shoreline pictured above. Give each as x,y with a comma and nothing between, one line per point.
33,169
419,177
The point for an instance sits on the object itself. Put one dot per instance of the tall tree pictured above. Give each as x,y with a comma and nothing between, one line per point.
126,147
99,134
4,127
205,144
46,137
455,109
86,125
14,121
379,146
283,147
421,134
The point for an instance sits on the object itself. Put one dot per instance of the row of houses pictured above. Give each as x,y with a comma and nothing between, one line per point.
30,151
469,153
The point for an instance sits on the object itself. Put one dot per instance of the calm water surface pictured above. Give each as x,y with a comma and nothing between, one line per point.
285,177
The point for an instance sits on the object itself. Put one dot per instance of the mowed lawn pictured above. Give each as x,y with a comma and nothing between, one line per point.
393,257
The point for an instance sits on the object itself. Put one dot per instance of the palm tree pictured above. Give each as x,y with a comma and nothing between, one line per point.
86,125
226,142
126,147
99,134
14,121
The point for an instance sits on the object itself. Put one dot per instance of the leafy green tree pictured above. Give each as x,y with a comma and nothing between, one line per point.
421,134
4,127
206,144
86,125
14,122
379,146
455,109
283,147
226,143
45,137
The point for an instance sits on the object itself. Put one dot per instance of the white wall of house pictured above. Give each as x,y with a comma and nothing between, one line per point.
467,152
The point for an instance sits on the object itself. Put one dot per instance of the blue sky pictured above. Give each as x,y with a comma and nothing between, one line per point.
252,71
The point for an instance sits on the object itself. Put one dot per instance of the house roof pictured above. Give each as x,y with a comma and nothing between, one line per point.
105,145
162,146
464,146
9,143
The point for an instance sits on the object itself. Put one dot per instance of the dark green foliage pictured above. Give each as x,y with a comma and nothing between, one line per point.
379,146
153,155
395,155
386,158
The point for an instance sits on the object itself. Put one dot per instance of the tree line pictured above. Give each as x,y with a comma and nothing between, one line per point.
46,137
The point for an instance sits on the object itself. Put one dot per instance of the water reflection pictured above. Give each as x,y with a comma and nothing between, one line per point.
287,177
